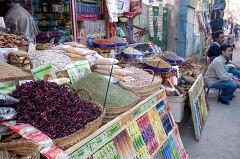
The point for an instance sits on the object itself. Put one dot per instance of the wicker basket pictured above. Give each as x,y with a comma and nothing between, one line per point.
145,89
115,111
88,129
21,147
25,148
72,139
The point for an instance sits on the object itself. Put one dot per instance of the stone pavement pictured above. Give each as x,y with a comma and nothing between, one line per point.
221,135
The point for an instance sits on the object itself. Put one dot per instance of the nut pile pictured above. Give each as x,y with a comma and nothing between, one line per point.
11,41
132,51
57,58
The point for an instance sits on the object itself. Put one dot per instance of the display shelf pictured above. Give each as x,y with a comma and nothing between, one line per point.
90,1
155,104
52,13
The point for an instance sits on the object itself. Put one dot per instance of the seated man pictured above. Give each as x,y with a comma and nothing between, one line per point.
218,77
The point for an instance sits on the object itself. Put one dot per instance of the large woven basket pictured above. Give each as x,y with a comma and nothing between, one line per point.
144,89
25,148
88,129
4,154
113,111
21,147
72,139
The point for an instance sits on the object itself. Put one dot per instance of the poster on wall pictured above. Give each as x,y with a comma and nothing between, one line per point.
198,105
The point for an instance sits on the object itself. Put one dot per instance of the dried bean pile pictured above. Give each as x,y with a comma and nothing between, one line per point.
141,78
53,109
97,84
55,57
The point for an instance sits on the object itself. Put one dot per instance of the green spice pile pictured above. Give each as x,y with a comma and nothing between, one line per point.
97,84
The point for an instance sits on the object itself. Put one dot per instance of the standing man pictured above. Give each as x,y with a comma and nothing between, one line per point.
214,49
236,30
19,20
218,77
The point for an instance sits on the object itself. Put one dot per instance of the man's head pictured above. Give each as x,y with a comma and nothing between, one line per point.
219,37
226,50
9,3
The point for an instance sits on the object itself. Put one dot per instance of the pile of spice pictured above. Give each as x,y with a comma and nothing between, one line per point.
102,41
171,56
116,39
157,61
132,51
141,78
53,109
97,84
57,58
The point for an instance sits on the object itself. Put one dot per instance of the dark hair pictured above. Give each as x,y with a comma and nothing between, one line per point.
217,34
224,47
9,1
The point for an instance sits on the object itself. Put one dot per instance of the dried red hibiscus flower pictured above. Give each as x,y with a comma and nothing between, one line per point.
53,109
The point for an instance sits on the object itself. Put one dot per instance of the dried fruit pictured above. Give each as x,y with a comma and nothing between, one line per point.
53,109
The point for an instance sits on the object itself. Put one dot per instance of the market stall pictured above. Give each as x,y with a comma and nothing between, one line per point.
54,19
100,98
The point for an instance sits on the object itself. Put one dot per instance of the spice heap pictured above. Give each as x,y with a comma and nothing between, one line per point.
57,58
132,51
156,61
141,78
11,41
102,41
171,56
116,39
97,84
53,109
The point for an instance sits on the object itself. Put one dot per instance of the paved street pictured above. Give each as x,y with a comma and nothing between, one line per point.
221,134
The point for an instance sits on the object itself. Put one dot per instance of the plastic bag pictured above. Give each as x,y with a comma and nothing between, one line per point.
6,100
107,67
7,113
106,61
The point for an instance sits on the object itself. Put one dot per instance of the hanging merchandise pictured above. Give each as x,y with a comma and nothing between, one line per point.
136,7
150,16
112,6
156,21
93,29
123,6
